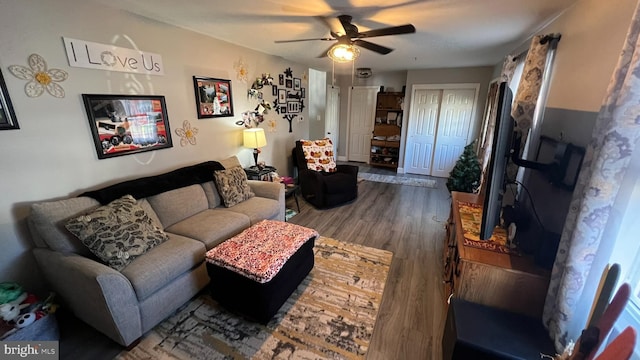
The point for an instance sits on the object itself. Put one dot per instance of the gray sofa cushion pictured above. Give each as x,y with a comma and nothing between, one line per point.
230,162
163,264
257,209
179,204
211,226
48,220
213,197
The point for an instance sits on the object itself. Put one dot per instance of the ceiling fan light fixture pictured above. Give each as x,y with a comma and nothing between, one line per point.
343,53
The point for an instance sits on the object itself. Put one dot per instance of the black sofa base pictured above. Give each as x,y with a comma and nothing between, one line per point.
255,300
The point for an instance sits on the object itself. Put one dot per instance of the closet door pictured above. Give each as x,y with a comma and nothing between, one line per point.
454,125
421,133
440,122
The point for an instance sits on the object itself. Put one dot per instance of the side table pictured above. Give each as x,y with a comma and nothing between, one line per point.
259,173
292,190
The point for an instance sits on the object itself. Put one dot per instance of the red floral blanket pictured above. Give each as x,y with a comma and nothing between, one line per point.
260,251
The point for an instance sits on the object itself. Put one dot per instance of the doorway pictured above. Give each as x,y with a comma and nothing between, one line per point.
332,115
439,126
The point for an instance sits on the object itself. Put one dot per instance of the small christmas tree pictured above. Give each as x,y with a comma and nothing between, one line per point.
465,175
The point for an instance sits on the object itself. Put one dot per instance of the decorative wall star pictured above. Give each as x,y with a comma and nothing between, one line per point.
39,77
288,73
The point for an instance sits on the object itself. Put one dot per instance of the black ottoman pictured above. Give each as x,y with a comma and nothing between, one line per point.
480,332
257,300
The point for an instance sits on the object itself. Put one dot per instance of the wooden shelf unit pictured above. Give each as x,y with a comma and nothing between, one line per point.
387,122
508,282
384,152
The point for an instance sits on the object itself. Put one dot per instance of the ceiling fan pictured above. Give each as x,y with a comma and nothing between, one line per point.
352,36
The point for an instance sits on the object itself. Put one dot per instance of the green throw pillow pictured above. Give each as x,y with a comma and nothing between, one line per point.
117,233
233,186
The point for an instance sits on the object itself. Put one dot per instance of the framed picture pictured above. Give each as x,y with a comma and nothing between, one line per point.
281,79
303,93
296,84
282,96
289,83
293,107
8,119
127,124
274,90
213,97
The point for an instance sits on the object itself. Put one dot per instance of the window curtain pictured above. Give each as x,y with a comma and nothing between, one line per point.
608,155
526,97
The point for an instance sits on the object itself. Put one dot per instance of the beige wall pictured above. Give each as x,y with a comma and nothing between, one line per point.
53,156
592,35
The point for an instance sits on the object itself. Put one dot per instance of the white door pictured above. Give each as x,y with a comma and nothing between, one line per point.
362,109
453,129
421,134
332,115
440,122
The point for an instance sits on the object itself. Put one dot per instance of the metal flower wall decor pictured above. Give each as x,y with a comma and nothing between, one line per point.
40,77
242,70
187,134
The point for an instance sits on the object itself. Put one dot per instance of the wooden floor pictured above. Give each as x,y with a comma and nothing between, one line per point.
407,220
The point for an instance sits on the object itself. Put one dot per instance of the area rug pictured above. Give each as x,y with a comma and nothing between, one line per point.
330,316
398,180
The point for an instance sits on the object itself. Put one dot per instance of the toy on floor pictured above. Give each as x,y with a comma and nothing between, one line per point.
20,309
11,310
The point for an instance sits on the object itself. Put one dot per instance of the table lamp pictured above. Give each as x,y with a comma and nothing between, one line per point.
254,138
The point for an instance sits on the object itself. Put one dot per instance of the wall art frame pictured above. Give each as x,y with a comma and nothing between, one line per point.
8,119
213,97
127,124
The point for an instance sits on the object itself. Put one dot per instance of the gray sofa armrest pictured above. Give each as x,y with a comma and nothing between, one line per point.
267,189
270,190
95,293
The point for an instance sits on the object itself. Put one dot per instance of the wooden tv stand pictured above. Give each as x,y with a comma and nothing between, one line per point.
487,277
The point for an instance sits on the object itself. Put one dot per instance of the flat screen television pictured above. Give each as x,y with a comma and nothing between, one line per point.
495,184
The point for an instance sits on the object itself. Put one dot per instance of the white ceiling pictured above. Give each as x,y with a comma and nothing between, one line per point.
449,33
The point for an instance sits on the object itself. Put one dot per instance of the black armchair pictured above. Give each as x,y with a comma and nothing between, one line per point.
325,189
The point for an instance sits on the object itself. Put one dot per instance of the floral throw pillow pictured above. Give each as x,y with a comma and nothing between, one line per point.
118,232
233,186
319,155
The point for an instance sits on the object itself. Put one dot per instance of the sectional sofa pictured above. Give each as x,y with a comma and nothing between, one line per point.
185,208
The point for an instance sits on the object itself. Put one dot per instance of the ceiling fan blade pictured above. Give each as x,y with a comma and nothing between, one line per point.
349,29
298,40
373,47
394,30
332,24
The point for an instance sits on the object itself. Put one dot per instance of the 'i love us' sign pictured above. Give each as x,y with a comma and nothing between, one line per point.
93,55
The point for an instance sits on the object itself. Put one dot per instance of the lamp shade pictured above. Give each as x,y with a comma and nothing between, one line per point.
343,53
254,138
